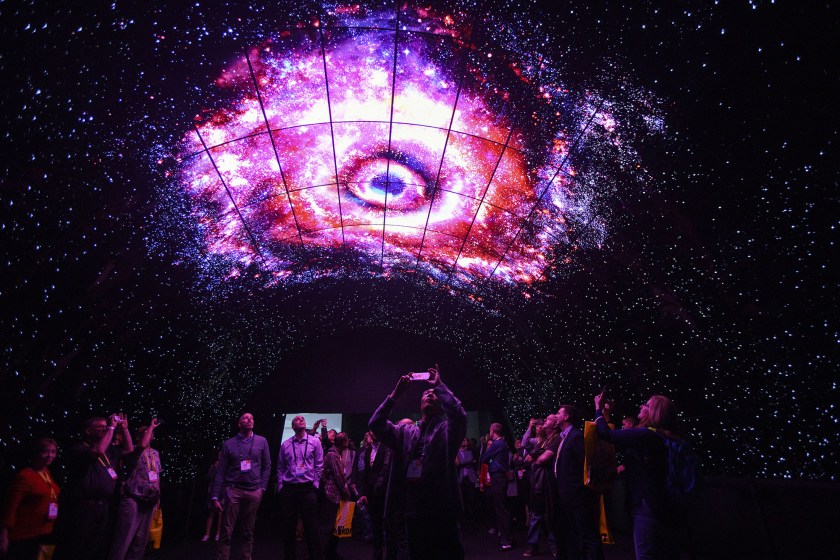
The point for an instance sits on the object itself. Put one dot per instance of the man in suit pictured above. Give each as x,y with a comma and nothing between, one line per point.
372,489
577,503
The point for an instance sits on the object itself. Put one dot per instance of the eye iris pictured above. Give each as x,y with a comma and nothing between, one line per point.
405,186
390,182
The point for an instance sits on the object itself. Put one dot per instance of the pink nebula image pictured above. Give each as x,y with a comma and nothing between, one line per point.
392,137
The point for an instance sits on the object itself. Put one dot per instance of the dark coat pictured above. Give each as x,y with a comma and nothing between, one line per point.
568,471
373,481
646,458
439,481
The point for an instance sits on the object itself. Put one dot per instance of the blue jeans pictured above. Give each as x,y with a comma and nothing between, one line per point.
132,530
654,534
535,527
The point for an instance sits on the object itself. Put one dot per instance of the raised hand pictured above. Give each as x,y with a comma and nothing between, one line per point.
434,376
401,386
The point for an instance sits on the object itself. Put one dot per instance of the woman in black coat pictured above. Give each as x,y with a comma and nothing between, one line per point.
646,461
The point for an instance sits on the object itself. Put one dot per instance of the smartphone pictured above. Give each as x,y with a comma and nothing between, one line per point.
419,376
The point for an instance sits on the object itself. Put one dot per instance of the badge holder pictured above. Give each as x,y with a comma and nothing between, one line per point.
415,470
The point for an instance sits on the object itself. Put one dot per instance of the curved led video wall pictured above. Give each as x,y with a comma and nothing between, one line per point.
415,142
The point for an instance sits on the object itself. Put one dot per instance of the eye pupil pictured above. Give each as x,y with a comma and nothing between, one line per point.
381,183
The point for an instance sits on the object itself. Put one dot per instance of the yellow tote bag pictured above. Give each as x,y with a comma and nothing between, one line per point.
156,530
344,519
606,535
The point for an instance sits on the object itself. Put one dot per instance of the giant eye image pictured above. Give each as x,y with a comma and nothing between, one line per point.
398,136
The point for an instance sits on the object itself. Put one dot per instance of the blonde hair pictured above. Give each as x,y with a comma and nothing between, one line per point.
662,413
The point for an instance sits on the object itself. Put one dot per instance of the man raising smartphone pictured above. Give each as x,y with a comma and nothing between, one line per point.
424,473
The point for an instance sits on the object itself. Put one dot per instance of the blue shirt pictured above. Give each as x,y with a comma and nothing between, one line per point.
300,460
230,473
497,456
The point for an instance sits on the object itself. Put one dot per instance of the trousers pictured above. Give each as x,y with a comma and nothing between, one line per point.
300,500
498,493
132,529
240,514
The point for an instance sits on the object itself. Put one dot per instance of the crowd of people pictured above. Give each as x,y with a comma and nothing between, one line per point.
413,485
104,510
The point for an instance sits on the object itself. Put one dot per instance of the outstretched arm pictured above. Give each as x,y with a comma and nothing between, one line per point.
629,438
318,463
146,440
379,424
529,440
102,445
127,444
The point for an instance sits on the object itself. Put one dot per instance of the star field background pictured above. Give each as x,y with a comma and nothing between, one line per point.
717,283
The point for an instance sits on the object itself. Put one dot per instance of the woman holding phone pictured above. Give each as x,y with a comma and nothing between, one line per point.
654,530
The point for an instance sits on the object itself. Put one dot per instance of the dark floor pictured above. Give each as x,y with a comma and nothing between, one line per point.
479,545
735,519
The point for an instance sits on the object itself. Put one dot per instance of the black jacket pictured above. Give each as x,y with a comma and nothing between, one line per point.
373,480
567,471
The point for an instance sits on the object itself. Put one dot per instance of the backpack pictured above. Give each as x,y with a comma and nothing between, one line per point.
683,481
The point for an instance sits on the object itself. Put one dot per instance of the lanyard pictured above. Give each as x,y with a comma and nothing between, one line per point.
45,475
101,455
422,442
239,445
547,442
305,449
149,464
